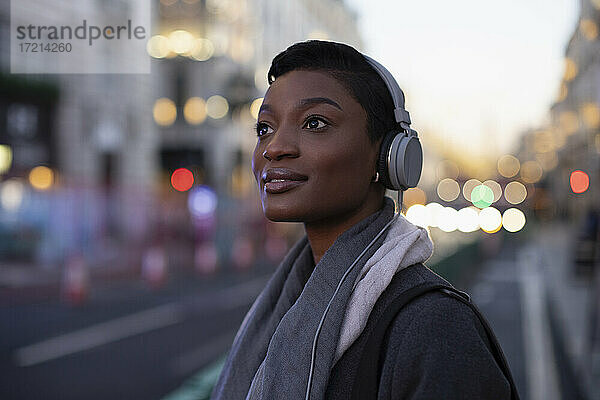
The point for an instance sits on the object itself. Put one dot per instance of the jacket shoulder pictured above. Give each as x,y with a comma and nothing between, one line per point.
436,347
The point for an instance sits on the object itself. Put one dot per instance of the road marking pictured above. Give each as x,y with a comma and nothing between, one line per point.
130,325
195,359
99,334
542,377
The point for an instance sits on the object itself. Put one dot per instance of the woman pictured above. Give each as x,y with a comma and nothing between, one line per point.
318,160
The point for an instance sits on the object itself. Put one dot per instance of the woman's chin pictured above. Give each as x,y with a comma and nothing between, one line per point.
276,214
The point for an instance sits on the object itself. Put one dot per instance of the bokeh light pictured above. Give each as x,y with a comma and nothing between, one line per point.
202,201
181,41
448,189
468,219
558,136
590,114
164,111
496,189
515,192
562,92
513,220
482,196
449,220
418,215
158,46
580,181
182,179
588,29
194,110
569,122
202,49
241,49
12,192
41,177
414,196
6,157
548,160
508,166
468,188
544,141
570,69
255,107
490,220
531,172
217,106
436,213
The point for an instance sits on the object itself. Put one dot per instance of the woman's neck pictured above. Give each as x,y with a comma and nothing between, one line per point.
322,234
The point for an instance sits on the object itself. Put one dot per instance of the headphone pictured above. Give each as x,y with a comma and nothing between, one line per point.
399,165
400,158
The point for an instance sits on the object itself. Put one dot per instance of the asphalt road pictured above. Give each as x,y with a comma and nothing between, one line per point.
130,342
126,342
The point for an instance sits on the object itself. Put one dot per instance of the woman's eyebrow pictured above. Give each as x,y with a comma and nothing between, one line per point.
319,100
304,103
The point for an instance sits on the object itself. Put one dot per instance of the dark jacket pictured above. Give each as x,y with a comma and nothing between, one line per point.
436,349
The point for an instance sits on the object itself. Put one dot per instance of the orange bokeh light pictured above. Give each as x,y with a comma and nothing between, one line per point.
580,181
182,179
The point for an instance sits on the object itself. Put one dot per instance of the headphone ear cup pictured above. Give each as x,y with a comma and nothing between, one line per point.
382,164
406,171
405,161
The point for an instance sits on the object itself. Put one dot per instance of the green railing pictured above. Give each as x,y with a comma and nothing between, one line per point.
199,386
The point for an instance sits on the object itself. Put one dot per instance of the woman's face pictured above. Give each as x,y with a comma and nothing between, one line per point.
313,160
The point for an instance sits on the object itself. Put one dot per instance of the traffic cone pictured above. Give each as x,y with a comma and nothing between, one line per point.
242,253
154,266
75,281
205,258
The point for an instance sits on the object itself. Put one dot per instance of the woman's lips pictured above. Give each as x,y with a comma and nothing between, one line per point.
279,180
280,186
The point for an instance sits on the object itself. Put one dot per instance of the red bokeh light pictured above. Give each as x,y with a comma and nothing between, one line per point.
580,181
182,179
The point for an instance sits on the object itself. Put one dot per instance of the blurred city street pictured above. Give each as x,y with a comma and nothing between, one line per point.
127,341
132,341
133,238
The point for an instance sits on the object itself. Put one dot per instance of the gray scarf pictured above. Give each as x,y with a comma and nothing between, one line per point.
272,349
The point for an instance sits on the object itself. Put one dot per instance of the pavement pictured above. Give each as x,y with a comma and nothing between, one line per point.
540,311
571,301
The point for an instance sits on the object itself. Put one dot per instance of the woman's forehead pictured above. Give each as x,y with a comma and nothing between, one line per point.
301,86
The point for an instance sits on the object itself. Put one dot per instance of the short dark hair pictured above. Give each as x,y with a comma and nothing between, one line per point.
351,69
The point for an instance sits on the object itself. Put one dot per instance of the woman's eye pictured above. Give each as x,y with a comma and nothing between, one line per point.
262,129
315,123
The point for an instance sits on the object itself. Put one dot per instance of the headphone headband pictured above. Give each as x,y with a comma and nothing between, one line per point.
401,157
402,116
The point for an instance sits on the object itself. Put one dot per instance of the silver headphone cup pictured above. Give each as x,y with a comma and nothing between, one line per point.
393,161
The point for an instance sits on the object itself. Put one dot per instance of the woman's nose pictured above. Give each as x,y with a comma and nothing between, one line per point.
282,144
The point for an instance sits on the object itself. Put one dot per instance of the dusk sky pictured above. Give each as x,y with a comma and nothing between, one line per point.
475,73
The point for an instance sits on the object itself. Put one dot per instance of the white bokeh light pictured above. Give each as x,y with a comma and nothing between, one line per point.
490,220
418,215
468,219
513,220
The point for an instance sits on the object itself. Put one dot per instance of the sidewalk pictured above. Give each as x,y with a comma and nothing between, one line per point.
570,299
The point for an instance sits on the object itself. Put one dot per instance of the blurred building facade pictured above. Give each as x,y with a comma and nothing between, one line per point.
574,133
220,68
109,143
